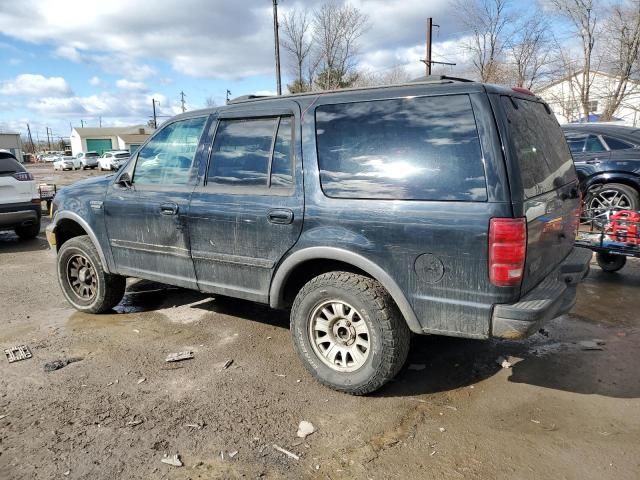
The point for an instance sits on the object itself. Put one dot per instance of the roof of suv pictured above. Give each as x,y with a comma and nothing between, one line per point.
440,83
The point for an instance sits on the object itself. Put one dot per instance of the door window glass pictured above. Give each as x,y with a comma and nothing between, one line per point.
241,152
414,149
594,145
281,168
576,143
617,144
167,158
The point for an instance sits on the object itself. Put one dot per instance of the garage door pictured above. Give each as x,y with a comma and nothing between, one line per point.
99,145
133,147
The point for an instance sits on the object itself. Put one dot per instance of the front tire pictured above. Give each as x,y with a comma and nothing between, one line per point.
610,263
85,284
348,332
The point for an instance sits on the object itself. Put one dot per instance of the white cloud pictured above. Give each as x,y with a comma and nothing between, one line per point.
36,86
95,81
125,84
69,52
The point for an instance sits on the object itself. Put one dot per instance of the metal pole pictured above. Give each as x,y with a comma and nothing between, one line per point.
82,123
155,122
277,46
429,36
48,139
182,101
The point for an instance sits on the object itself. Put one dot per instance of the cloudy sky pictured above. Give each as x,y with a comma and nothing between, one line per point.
63,61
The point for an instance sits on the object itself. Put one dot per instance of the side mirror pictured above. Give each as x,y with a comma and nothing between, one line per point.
125,180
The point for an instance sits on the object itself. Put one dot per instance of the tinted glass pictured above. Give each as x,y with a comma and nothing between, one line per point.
594,145
576,142
92,155
540,147
122,155
617,144
241,152
9,166
167,158
281,168
413,149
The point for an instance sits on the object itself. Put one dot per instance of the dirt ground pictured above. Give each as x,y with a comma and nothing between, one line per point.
560,412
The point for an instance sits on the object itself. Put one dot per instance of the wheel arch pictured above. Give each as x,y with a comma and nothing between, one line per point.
307,263
69,225
605,178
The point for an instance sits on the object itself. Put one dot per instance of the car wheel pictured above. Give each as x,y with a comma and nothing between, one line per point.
602,199
85,284
28,232
348,332
610,263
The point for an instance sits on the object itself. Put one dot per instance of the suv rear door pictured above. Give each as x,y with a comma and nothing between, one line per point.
544,186
16,184
248,212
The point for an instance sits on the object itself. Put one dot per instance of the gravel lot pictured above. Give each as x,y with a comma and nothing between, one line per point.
558,412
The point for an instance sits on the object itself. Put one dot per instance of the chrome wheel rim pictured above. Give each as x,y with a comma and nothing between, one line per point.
81,277
605,201
339,336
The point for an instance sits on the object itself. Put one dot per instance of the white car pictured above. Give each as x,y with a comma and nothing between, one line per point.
19,198
113,160
67,163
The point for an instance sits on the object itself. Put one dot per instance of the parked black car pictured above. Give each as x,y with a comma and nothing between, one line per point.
441,207
607,159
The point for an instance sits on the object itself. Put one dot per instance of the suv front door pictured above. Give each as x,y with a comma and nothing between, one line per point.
248,213
146,220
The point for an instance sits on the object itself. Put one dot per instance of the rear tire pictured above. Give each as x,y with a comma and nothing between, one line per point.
610,263
85,284
348,332
28,232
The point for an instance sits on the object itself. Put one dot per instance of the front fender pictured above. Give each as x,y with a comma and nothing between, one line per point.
276,292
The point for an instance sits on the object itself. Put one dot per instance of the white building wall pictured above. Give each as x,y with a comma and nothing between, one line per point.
12,143
563,98
76,143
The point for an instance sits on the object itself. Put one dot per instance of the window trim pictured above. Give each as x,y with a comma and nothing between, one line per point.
134,161
265,190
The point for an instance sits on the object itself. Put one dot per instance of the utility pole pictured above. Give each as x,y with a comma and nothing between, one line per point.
48,138
228,93
428,62
82,123
277,44
33,147
182,95
155,121
100,120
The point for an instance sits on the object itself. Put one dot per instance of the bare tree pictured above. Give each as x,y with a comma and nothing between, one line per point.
296,30
529,51
210,102
337,28
622,40
488,22
392,76
584,20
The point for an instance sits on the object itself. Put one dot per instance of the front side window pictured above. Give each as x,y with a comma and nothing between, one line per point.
167,158
412,149
594,145
255,152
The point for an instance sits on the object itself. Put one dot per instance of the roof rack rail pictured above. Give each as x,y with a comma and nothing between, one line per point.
439,79
245,98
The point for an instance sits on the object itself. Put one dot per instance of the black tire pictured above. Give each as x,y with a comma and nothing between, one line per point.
388,334
106,289
610,263
28,232
630,193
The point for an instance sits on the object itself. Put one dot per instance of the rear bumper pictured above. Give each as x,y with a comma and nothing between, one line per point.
555,296
19,215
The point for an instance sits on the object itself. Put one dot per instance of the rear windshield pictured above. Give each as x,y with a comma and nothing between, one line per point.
8,166
539,146
122,155
407,149
91,154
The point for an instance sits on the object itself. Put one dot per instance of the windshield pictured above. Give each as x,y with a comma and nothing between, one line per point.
539,146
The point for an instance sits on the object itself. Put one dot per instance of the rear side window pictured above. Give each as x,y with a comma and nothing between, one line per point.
253,152
576,142
617,144
410,149
540,148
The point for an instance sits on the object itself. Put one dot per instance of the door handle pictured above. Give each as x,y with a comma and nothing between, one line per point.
168,208
595,161
282,216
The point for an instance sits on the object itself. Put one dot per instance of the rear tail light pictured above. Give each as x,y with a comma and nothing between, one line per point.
507,250
23,176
